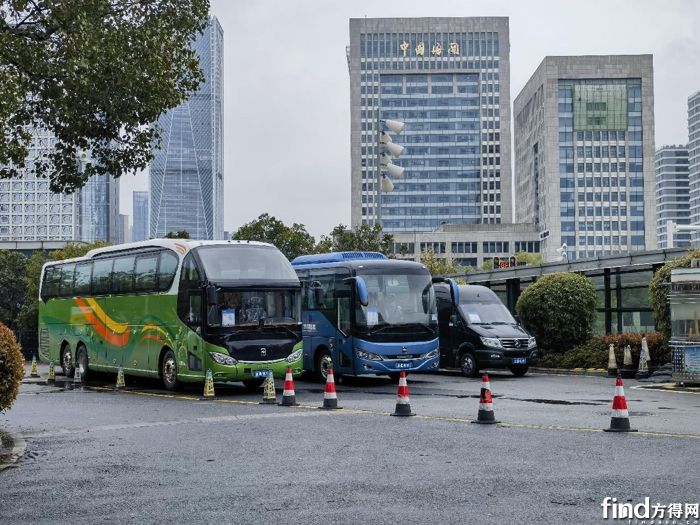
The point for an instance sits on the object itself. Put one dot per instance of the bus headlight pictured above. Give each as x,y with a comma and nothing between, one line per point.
531,343
362,354
223,359
295,356
492,342
430,355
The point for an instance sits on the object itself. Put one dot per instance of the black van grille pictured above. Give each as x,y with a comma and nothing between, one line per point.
514,343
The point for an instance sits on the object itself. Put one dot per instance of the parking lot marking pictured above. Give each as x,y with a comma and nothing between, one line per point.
429,418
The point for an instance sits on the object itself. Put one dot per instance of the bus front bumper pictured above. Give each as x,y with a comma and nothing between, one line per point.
388,358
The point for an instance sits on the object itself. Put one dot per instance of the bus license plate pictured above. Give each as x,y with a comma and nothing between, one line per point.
403,365
262,373
519,360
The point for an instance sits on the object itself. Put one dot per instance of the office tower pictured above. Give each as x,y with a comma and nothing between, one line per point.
448,80
139,230
123,230
186,175
672,195
584,154
694,161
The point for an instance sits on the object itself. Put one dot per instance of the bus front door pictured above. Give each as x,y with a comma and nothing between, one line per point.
343,348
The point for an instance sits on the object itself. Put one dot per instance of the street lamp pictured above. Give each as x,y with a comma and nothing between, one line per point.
384,141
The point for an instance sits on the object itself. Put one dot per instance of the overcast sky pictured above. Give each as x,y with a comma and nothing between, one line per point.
286,92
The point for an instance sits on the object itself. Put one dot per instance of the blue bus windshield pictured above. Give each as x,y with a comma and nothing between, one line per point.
397,297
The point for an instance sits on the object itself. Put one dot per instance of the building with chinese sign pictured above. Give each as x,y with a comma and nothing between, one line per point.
448,80
186,175
584,155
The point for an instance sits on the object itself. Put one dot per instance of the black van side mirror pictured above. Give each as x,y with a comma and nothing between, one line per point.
517,318
454,320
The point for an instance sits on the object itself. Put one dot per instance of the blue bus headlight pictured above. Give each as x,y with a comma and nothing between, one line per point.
362,354
531,343
223,359
431,354
295,356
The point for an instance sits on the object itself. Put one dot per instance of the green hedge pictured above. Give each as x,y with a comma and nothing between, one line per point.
594,353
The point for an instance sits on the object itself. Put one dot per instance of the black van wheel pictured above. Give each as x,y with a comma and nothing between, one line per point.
519,371
468,365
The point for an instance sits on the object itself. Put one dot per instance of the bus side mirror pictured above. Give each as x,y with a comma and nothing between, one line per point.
319,295
213,313
211,295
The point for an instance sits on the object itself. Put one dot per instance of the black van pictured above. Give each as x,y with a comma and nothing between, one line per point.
481,333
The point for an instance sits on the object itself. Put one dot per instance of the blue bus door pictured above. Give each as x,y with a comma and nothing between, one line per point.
343,348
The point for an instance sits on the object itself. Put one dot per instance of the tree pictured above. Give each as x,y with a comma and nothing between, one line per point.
28,316
524,257
12,266
291,241
487,264
11,367
95,74
439,266
559,310
659,288
364,238
180,234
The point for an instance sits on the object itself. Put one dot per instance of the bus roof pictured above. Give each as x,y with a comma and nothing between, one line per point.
336,257
181,246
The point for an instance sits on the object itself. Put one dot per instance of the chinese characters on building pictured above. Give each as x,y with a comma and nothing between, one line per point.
437,49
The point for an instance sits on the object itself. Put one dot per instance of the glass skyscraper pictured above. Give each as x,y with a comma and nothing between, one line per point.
29,211
186,175
139,229
672,197
694,160
448,80
584,146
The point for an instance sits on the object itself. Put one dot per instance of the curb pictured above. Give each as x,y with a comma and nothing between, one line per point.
600,372
18,449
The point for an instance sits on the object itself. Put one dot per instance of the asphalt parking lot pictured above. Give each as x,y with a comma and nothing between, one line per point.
146,456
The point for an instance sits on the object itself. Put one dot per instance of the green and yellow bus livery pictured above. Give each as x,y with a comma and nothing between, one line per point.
173,309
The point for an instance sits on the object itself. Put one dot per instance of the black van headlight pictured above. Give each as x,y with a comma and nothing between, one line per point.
531,343
492,342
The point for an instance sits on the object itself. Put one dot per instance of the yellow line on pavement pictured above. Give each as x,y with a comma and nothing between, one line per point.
428,418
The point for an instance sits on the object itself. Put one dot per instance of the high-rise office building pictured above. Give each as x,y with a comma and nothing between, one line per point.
694,160
123,230
29,211
186,175
448,80
584,154
139,229
672,197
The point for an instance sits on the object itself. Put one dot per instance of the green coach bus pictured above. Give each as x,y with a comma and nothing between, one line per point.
172,309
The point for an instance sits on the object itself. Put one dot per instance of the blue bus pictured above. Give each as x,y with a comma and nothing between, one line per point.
366,314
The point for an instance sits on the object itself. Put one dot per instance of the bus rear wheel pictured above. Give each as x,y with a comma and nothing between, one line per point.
168,371
81,361
67,361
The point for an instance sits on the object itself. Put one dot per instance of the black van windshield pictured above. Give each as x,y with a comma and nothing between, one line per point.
487,312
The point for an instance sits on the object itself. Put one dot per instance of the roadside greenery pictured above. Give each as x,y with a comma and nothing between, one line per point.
11,367
180,234
521,257
95,75
659,289
558,310
363,238
442,266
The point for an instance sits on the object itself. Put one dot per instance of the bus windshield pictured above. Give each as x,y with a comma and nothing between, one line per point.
249,307
242,262
398,298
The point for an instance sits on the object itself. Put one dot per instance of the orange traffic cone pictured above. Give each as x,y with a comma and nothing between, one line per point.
289,398
620,421
486,415
330,399
403,405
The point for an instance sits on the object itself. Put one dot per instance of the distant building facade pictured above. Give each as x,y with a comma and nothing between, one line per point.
584,155
29,211
448,80
139,230
186,175
124,230
672,195
694,160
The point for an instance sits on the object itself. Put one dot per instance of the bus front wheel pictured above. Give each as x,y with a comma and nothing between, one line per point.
168,371
323,364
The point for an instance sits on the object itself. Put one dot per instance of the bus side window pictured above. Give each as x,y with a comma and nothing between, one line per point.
189,299
145,274
83,275
123,275
102,277
327,280
52,281
66,284
166,271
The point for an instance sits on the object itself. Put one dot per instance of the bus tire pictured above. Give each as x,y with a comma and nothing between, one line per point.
251,385
468,365
168,371
323,364
67,361
81,359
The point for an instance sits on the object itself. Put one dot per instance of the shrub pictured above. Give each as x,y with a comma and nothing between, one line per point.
11,367
559,310
659,288
594,352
